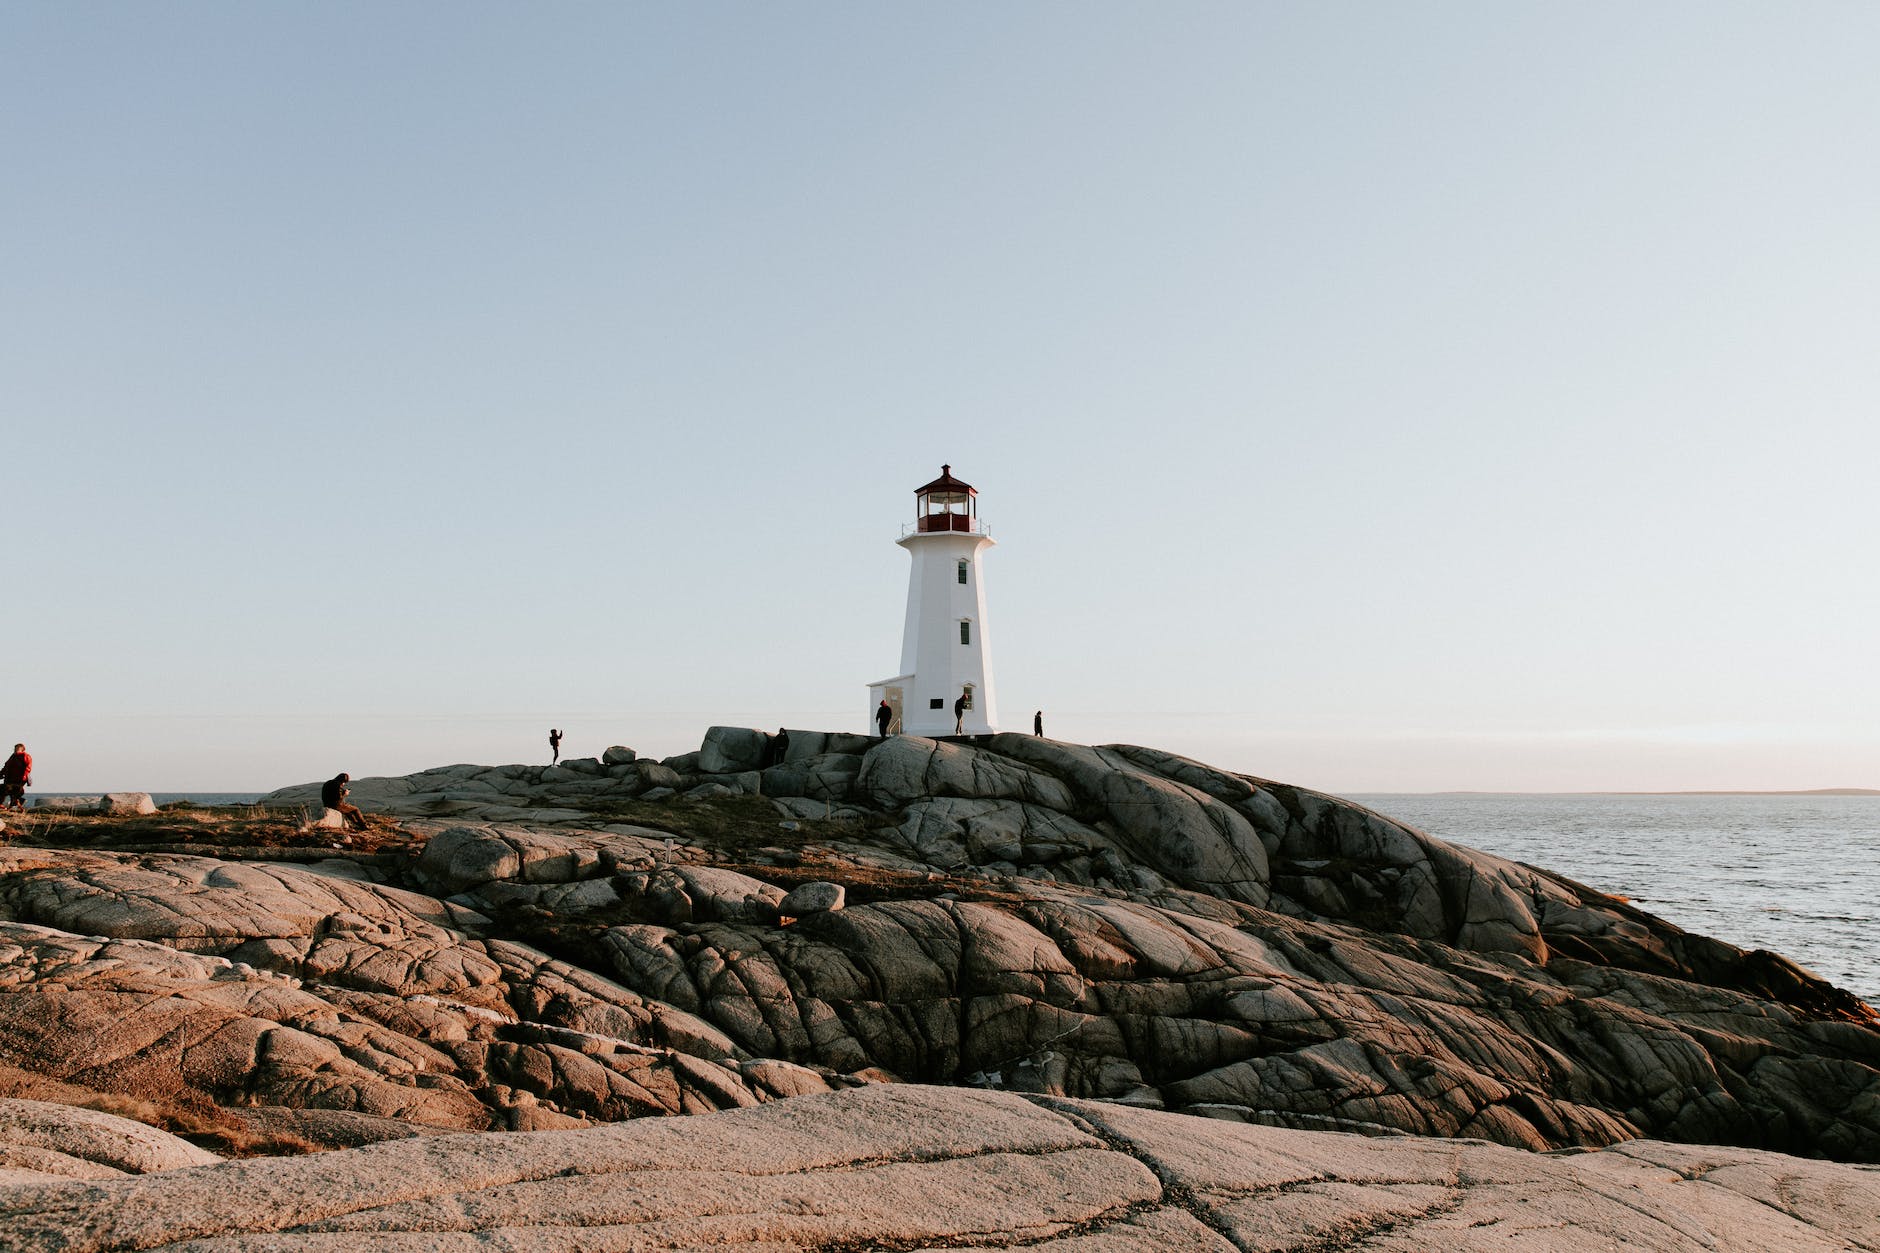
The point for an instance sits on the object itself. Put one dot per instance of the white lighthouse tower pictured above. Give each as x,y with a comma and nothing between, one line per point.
945,653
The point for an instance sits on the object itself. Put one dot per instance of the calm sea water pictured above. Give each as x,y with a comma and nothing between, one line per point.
1798,875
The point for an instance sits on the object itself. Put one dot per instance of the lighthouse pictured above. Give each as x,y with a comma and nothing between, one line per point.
945,651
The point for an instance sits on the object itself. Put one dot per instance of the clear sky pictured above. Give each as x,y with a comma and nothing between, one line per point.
1371,396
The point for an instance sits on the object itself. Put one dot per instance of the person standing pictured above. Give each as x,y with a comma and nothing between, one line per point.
959,713
1037,724
333,795
884,714
776,747
14,777
554,745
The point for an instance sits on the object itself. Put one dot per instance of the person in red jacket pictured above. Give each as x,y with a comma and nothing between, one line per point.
14,776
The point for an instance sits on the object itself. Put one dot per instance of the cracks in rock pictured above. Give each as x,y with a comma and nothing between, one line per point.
1596,1048
1781,1183
1203,1204
1096,1224
1361,1233
1174,1192
651,1170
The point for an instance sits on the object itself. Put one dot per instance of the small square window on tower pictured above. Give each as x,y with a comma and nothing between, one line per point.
938,702
966,631
962,569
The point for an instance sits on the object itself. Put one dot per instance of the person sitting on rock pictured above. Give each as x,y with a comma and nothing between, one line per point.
884,714
554,745
14,776
333,796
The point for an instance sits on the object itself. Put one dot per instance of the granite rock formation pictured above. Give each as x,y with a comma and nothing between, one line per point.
919,1167
1124,924
1105,930
118,803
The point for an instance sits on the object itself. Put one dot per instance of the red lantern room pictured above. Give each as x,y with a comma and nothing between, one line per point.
946,504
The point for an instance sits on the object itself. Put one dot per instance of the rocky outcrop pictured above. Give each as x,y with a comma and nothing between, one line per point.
75,804
277,986
559,793
732,750
591,942
118,804
124,803
40,1138
921,1167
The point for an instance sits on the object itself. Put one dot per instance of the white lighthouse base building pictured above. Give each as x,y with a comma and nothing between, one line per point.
945,652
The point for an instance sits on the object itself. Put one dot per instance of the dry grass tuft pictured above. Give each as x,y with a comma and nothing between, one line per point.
213,826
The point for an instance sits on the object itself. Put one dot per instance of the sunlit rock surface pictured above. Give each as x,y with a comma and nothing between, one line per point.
556,948
920,1167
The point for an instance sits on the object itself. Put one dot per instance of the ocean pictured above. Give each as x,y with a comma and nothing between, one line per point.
1798,875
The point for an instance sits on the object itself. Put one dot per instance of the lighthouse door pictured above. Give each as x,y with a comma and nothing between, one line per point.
893,696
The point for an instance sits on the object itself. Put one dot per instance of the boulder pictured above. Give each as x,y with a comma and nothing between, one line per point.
822,777
952,831
74,804
805,743
731,750
464,857
815,743
905,767
687,894
656,774
618,755
811,898
1173,827
91,1136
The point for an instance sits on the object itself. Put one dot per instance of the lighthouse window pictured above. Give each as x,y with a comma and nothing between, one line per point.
938,702
966,632
962,570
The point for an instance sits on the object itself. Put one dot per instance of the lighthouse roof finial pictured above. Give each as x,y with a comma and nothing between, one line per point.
946,483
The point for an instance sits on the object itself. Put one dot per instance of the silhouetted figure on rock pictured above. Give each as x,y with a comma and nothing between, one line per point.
554,746
14,776
774,748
